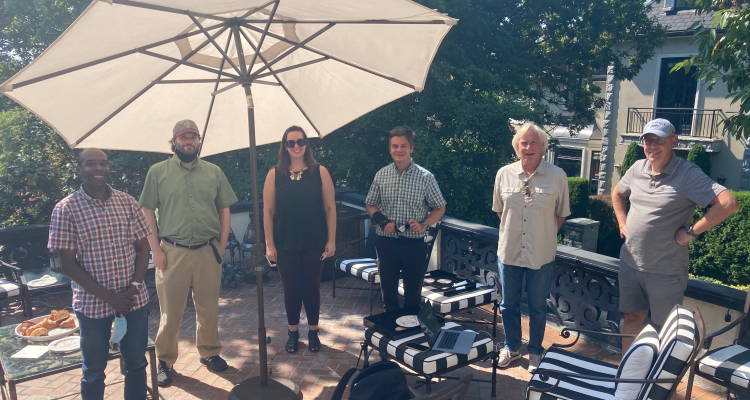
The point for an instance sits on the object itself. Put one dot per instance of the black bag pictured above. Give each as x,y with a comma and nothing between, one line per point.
382,380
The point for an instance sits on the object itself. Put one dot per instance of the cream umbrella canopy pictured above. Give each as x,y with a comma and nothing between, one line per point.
245,70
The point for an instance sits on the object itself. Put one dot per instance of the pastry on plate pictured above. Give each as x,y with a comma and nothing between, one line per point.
69,322
37,331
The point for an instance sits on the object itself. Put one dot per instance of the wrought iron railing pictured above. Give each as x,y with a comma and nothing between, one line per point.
687,121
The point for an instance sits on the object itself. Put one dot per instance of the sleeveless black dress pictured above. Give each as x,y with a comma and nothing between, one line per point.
300,221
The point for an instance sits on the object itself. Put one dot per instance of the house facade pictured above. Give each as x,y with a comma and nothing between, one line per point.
695,111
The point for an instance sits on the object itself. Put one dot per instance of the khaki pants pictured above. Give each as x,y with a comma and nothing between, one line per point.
172,285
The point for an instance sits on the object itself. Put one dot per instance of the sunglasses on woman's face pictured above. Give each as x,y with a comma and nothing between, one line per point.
290,143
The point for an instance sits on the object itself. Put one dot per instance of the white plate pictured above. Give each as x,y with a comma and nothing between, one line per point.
54,333
44,281
445,281
407,321
65,345
429,280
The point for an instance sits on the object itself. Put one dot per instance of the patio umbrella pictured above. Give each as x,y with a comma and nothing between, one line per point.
245,70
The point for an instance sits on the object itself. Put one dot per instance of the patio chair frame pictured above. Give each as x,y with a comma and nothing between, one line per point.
23,294
707,346
546,374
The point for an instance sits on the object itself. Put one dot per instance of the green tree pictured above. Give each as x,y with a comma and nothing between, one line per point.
723,56
699,157
632,154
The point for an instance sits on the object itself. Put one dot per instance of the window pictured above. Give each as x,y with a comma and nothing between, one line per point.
569,160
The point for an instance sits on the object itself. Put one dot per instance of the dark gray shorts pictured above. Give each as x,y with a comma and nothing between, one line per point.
645,290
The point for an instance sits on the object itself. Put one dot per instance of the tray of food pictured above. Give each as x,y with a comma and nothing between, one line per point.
57,325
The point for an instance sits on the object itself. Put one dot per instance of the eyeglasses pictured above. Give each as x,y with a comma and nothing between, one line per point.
290,143
526,188
651,142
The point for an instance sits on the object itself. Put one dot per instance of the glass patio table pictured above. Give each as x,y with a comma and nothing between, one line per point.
18,370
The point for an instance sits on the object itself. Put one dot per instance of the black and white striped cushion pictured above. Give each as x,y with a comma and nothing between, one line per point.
730,364
444,304
573,388
637,362
362,268
8,289
677,341
431,361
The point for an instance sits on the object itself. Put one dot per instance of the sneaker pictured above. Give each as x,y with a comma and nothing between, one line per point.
164,374
506,357
215,363
534,360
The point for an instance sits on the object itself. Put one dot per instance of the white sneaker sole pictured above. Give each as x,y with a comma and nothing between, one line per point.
510,360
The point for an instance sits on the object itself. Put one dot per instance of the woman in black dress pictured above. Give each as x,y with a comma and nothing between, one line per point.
299,216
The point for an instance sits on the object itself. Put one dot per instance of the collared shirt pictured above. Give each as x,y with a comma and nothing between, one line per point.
411,194
659,206
528,225
102,234
187,201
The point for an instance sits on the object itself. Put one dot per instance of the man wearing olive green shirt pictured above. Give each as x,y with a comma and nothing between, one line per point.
192,197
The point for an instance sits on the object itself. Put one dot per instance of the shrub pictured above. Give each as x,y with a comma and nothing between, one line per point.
723,252
699,157
579,197
609,242
632,154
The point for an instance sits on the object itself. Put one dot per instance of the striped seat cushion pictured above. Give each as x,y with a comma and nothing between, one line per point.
362,268
730,364
637,362
556,359
443,304
429,362
676,344
8,289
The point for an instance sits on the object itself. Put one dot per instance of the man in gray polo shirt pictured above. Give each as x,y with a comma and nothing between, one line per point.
664,190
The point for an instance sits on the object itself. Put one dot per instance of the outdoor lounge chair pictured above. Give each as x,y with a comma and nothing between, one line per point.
727,366
668,355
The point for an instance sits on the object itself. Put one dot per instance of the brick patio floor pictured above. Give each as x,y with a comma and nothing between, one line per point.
316,374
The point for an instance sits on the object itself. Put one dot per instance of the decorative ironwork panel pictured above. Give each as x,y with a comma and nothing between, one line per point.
469,258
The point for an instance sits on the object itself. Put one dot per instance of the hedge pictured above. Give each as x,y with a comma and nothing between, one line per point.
699,157
723,252
579,197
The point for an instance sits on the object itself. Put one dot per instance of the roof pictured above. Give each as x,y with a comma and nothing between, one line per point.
678,21
590,132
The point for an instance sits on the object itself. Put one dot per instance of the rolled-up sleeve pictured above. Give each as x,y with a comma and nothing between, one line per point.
497,195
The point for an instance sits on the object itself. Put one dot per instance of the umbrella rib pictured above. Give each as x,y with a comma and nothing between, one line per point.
267,83
362,22
224,89
256,9
211,105
144,90
213,42
194,81
332,57
304,64
288,93
188,64
165,9
108,58
263,36
293,49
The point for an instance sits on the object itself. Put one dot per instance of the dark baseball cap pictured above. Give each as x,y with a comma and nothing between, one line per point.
185,126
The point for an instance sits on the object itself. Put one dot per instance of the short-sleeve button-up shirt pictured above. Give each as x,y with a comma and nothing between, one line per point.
411,194
187,201
659,206
528,225
102,234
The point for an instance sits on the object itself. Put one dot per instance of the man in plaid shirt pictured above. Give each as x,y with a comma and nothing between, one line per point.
404,200
100,234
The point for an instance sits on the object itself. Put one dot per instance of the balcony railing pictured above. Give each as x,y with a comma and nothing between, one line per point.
687,121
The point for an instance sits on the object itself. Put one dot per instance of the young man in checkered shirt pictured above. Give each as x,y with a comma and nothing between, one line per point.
100,234
404,200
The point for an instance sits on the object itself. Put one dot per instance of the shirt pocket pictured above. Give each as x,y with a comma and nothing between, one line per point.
544,197
512,196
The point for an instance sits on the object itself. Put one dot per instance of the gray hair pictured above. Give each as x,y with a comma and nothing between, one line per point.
522,131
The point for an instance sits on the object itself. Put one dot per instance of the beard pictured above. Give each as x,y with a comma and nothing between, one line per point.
186,157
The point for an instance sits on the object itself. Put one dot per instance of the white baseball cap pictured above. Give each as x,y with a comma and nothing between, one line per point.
659,127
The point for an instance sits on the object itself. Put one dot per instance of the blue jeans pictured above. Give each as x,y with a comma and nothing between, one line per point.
537,290
95,333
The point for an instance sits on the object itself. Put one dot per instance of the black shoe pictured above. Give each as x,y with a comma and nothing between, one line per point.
292,344
313,342
215,363
164,374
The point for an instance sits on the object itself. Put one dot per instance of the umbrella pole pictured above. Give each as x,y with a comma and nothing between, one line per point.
260,387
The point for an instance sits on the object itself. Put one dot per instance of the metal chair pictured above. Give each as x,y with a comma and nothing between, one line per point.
453,392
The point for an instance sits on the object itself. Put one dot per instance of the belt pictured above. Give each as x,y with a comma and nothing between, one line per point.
197,246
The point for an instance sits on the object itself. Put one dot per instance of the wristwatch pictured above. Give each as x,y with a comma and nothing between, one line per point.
689,231
137,285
